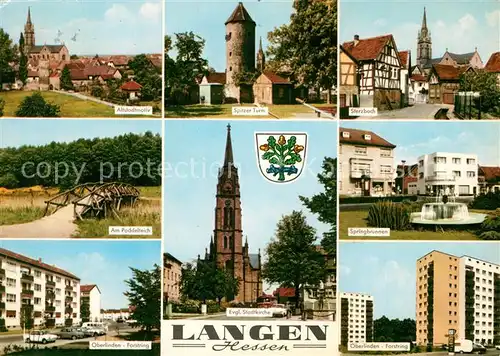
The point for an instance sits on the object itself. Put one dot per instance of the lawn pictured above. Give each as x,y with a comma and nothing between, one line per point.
225,111
357,219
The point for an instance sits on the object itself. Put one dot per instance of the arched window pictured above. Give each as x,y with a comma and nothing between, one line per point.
231,216
225,241
231,242
226,216
229,265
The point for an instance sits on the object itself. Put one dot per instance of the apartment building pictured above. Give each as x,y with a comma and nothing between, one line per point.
366,164
356,318
36,293
448,173
90,295
460,293
115,314
172,270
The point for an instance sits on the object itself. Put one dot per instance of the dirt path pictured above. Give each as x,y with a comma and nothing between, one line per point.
58,225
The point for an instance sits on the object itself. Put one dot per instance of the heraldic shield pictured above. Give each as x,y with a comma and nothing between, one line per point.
281,156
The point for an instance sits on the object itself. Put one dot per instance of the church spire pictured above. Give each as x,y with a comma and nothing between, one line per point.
424,20
228,155
28,21
260,44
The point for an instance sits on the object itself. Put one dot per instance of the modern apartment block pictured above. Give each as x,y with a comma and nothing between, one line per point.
172,270
448,173
366,164
43,294
461,293
91,295
356,318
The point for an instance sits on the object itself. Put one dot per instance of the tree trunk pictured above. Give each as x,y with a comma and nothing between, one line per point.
297,294
329,96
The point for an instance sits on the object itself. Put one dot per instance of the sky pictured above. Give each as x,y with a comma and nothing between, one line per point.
459,26
414,139
206,18
101,27
190,192
101,262
16,132
387,270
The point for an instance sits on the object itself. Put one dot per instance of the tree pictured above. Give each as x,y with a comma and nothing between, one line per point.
7,56
245,77
293,258
486,83
307,46
146,74
144,295
394,330
23,61
225,284
85,311
2,106
66,83
325,204
27,317
36,106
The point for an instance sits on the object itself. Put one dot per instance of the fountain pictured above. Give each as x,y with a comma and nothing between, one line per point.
446,211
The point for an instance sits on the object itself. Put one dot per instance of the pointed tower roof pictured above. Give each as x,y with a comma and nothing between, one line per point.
228,155
28,21
424,19
260,44
240,14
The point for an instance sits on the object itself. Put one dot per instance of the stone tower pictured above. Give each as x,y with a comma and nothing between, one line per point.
29,33
240,47
261,58
228,234
424,44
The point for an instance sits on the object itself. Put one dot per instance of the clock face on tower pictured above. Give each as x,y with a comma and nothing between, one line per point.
228,187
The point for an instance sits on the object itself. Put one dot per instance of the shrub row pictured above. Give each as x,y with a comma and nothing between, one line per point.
488,201
363,200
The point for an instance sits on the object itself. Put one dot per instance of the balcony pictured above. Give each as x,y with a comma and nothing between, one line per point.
68,310
440,179
27,293
50,308
50,323
2,272
25,277
50,295
68,287
68,299
28,307
2,288
359,173
2,306
68,322
50,284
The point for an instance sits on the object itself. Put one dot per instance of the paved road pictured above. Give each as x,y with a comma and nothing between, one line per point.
417,111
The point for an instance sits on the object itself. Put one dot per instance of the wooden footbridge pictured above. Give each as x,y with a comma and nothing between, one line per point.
94,199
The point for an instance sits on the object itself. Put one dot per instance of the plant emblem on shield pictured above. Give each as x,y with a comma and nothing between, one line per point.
281,156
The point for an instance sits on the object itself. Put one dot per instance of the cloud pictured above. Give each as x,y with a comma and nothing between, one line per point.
380,22
467,22
151,11
493,18
118,13
344,270
394,275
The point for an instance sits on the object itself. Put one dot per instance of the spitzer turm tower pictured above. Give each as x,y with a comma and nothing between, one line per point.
240,48
226,246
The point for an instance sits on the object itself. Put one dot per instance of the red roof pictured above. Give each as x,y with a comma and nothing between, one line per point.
131,85
448,72
275,79
36,263
219,78
404,55
85,288
356,137
490,173
285,292
78,74
54,75
418,78
367,48
493,64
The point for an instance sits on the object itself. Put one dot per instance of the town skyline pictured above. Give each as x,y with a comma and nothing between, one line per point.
90,28
387,270
459,28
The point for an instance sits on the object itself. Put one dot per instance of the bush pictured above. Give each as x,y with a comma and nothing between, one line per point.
488,201
363,200
9,181
395,216
187,306
36,106
2,325
490,228
428,348
2,106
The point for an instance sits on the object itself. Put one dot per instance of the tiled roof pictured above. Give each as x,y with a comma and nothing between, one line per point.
168,256
493,64
404,55
367,48
51,48
446,72
35,263
429,63
78,74
131,85
356,137
462,58
490,173
254,260
275,78
85,288
240,14
219,78
119,60
418,78
284,292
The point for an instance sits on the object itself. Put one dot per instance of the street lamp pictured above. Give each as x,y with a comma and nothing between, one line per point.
403,177
451,341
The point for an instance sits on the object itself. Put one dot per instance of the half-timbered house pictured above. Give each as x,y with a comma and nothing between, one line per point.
406,90
349,83
379,71
444,83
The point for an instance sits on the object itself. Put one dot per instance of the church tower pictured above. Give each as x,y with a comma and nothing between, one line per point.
29,33
240,47
424,44
228,232
261,58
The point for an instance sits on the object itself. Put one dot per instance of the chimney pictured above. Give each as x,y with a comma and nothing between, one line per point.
40,259
356,40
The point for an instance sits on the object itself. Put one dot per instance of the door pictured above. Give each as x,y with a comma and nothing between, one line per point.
463,190
448,98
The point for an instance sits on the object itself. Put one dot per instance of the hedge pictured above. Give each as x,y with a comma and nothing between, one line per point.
366,200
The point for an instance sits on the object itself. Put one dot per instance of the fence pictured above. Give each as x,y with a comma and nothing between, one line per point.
467,105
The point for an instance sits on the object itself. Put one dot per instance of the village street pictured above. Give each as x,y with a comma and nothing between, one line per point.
417,111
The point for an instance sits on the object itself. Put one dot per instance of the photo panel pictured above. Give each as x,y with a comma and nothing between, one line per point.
419,181
423,60
234,59
80,178
81,59
250,237
419,297
80,297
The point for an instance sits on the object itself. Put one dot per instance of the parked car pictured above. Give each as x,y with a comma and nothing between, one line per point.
119,320
497,347
279,310
93,331
86,331
131,322
480,349
40,336
91,324
71,333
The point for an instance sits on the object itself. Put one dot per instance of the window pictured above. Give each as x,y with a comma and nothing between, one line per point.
439,159
360,151
11,298
58,279
421,175
343,101
471,174
367,137
38,287
385,152
281,92
11,282
38,301
385,169
456,160
471,161
345,134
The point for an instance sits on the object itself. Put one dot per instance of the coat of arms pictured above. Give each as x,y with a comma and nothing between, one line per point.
281,157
